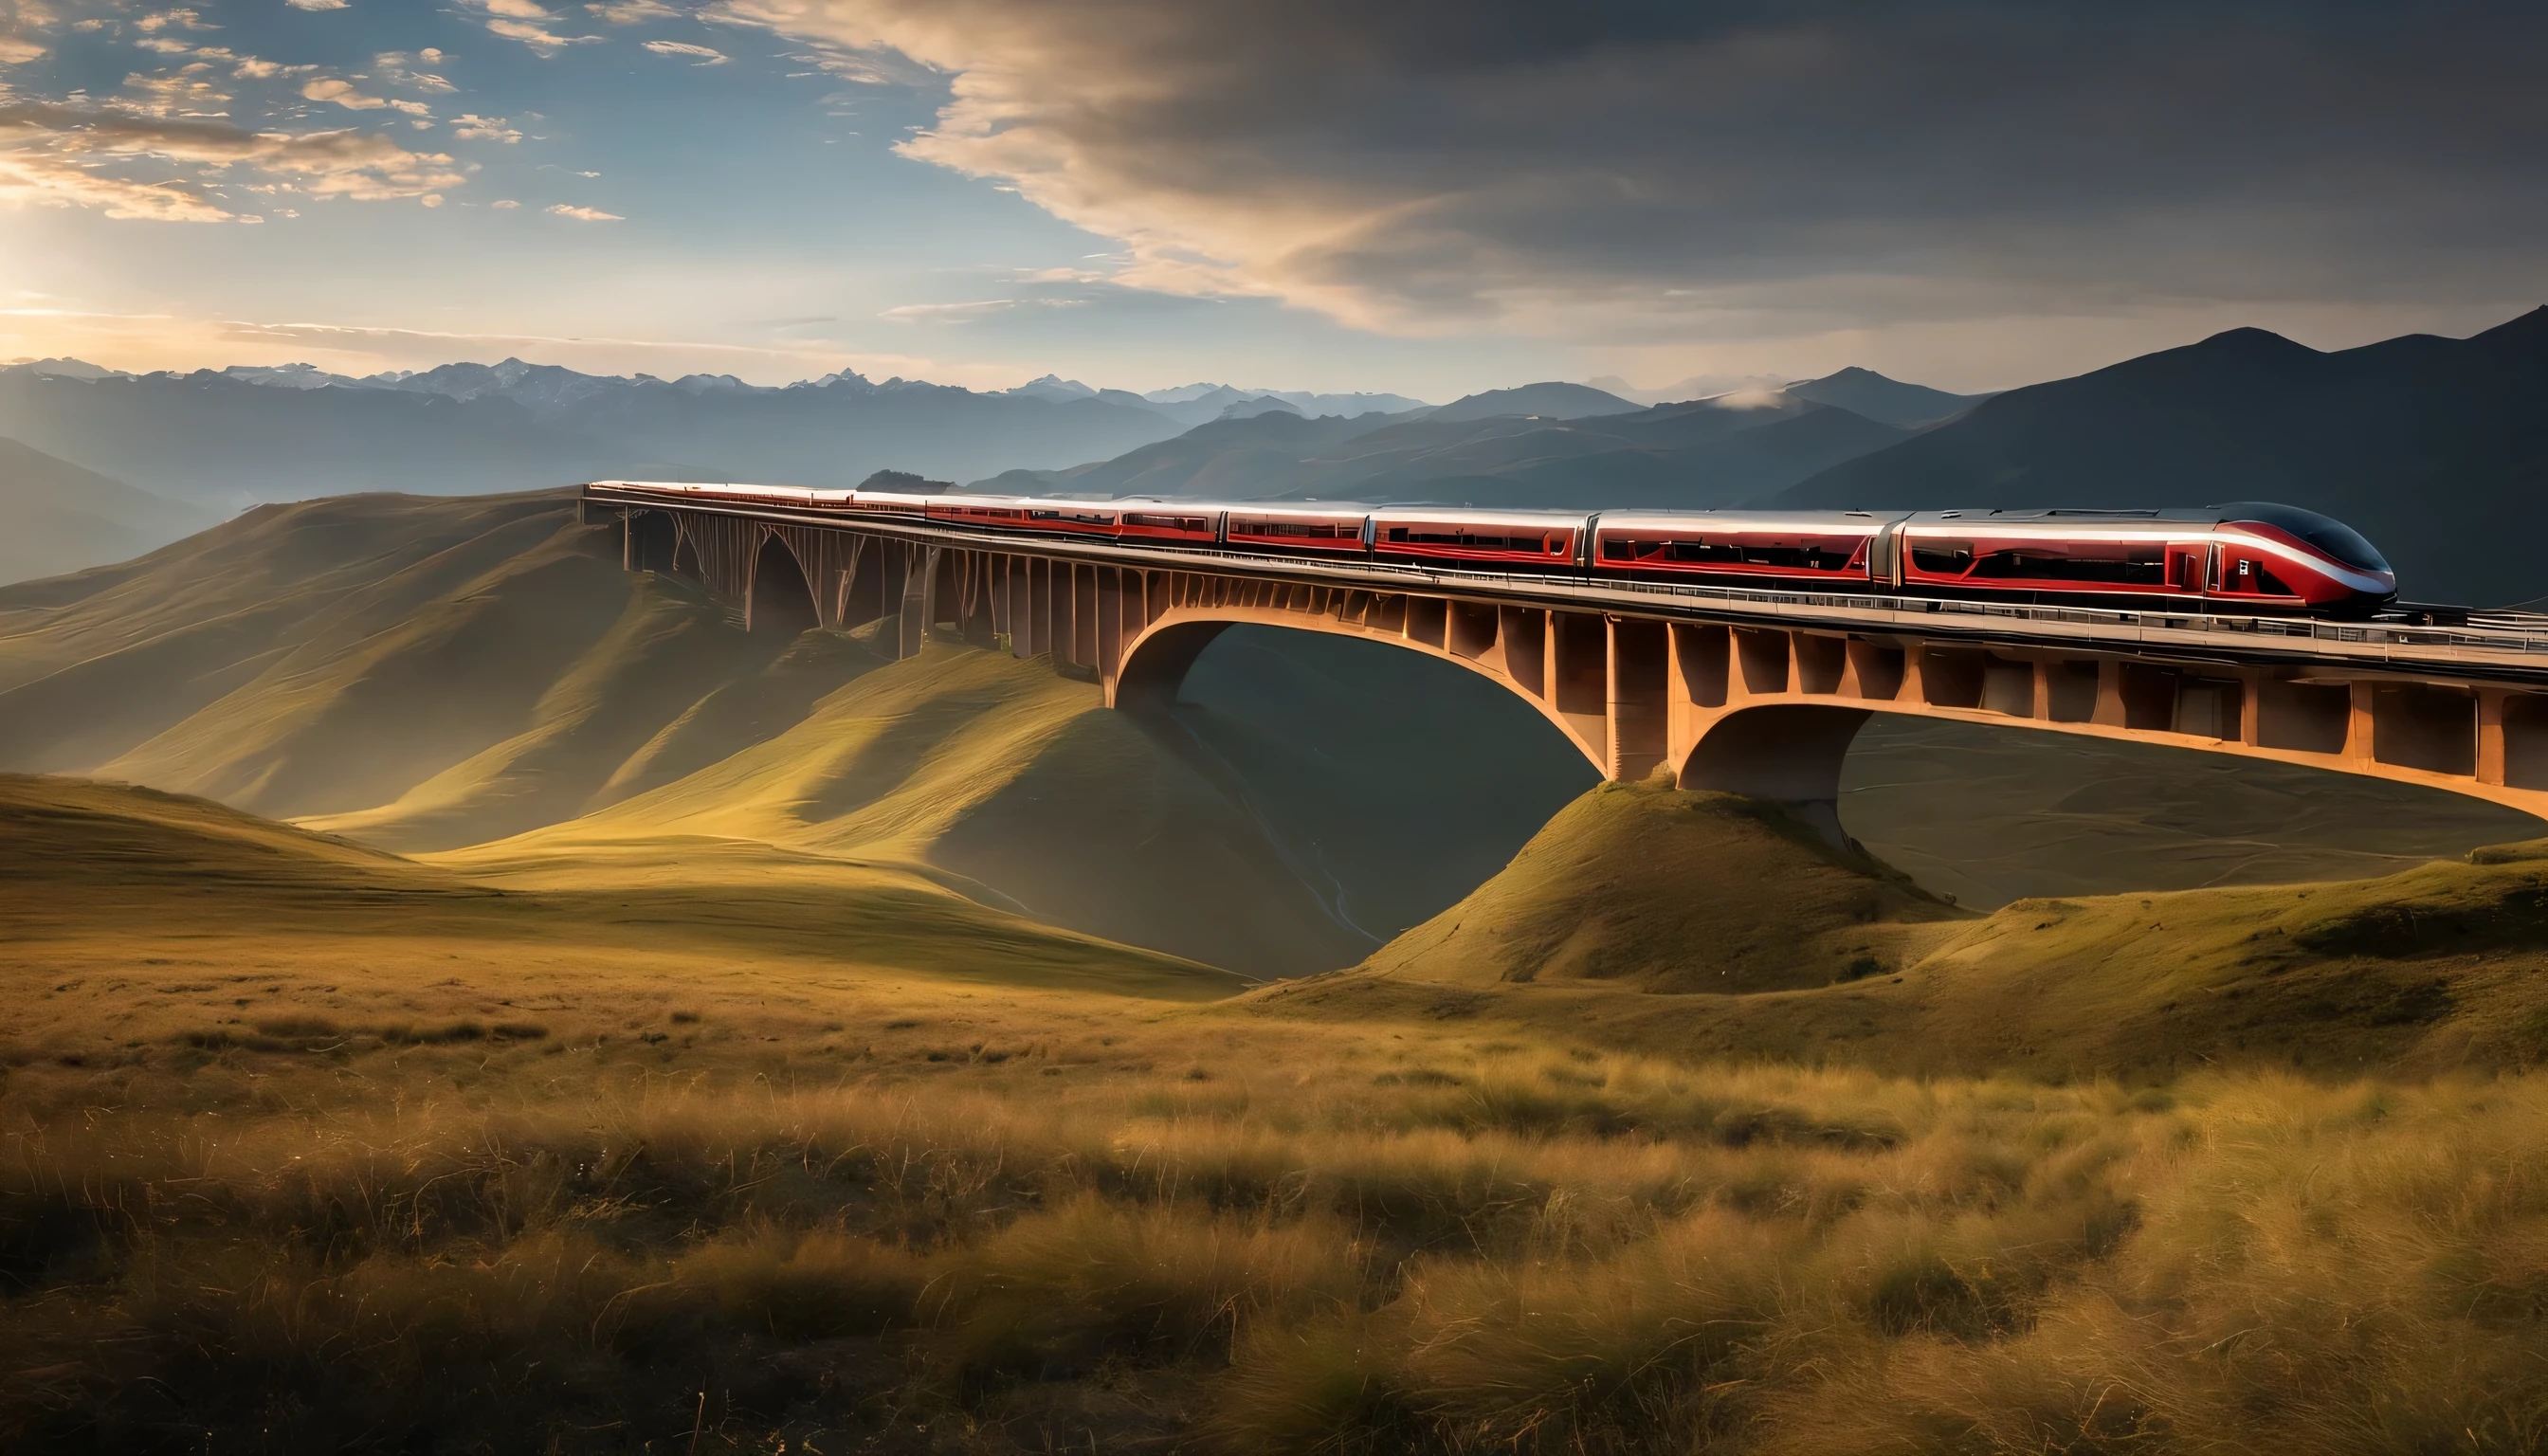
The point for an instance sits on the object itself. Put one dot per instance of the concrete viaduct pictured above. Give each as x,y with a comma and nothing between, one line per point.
1751,691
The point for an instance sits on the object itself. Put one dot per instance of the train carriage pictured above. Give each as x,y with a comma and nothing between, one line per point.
1322,529
1539,540
1806,548
2253,554
1178,522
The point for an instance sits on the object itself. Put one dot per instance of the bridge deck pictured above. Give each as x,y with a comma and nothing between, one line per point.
2503,648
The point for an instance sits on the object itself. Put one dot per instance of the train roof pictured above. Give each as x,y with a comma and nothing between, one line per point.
1835,521
1320,509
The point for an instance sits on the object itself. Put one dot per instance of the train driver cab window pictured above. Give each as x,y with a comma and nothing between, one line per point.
2250,576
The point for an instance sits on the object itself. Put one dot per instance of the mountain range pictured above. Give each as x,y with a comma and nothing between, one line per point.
230,439
212,441
2434,448
1538,445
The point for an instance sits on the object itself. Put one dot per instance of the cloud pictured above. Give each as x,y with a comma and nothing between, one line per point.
523,20
396,67
677,48
504,205
633,12
67,156
341,92
172,19
187,91
470,127
1619,168
583,214
250,68
966,313
316,4
22,25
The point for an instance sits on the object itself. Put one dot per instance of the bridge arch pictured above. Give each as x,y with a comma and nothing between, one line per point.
1789,753
779,596
1153,665
652,541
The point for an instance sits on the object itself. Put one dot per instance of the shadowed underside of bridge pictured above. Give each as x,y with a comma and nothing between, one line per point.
1757,710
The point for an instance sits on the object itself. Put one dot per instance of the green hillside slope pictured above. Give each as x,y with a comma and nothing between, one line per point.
975,764
106,880
1637,896
428,675
1644,886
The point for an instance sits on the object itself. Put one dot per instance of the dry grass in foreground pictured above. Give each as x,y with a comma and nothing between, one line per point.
1172,1230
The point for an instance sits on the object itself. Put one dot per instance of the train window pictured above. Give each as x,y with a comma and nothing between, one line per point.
2142,565
1468,540
1808,555
1311,530
1165,522
1943,558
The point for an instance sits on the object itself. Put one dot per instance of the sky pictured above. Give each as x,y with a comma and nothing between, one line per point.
1416,196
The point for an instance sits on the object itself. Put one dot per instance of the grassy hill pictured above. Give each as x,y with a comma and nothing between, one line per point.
1642,887
153,916
972,765
1628,918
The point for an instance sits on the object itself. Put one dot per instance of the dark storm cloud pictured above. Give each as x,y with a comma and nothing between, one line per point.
1429,162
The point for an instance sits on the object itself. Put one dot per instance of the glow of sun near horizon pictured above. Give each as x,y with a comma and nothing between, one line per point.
1425,198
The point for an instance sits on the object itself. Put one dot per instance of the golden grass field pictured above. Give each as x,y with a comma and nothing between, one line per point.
309,1147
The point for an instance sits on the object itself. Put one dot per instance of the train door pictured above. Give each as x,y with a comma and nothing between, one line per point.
1885,555
2189,566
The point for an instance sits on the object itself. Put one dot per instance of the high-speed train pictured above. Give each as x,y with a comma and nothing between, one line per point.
2250,556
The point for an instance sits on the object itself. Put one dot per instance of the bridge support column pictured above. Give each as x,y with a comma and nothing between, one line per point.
1639,711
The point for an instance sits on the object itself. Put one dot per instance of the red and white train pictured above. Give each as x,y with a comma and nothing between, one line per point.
2252,556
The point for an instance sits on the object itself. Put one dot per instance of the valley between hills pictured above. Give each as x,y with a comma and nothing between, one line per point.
469,997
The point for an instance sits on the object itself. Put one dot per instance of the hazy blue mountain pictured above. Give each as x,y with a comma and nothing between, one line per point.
1195,403
1707,452
1548,401
220,438
1695,387
1247,458
1890,400
62,518
2435,448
